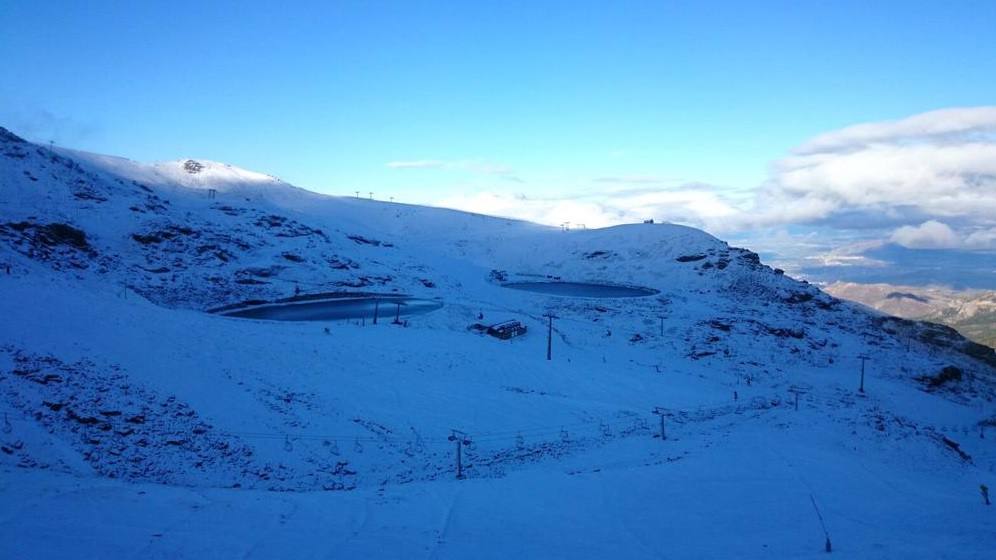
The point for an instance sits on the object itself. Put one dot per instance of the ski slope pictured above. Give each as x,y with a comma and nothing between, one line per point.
138,425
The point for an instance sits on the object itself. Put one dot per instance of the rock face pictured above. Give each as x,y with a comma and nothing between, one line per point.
192,167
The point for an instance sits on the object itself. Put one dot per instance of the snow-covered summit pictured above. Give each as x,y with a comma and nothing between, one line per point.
237,234
191,173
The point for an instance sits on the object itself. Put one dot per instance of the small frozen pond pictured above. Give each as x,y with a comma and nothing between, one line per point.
387,308
582,289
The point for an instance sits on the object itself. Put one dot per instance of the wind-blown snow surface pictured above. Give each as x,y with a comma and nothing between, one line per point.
137,425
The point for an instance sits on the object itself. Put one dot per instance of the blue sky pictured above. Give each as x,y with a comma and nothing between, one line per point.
463,102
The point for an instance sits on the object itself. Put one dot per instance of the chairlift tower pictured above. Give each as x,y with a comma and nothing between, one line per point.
460,439
549,335
796,391
861,387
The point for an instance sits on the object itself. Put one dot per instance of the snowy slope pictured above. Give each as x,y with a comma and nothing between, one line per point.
139,420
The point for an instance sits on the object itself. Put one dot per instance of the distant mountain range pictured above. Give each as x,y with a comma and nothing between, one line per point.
971,312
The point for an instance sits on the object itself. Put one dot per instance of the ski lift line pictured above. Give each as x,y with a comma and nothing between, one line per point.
554,428
635,425
535,431
251,435
479,435
503,434
485,436
482,436
280,436
539,435
256,435
329,437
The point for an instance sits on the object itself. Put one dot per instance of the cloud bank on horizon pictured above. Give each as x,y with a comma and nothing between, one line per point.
929,178
932,174
925,182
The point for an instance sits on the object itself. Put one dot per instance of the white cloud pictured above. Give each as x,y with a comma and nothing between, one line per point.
981,239
940,164
832,258
928,235
550,211
963,122
936,169
697,205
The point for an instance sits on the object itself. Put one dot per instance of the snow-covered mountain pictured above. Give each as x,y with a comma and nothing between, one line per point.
120,389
